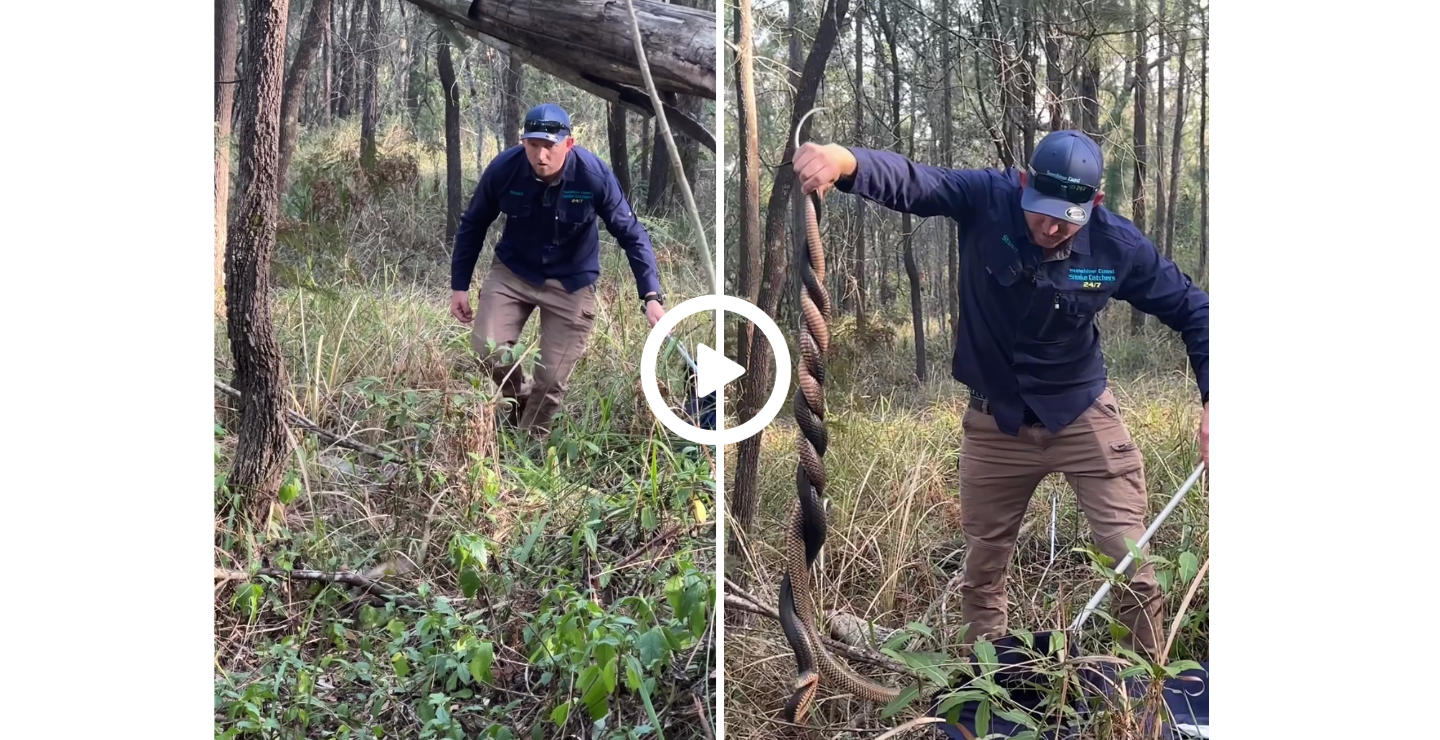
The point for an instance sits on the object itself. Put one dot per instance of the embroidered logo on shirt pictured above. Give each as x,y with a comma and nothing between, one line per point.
517,192
1092,278
1008,243
576,196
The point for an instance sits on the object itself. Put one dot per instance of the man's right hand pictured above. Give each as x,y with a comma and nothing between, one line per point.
819,166
460,306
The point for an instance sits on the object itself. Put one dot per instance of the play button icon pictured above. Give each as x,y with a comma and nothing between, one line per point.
713,370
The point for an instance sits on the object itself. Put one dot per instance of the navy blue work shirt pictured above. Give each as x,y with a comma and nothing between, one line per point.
1028,337
550,230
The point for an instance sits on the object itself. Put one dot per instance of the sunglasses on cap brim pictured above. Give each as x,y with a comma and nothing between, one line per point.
546,127
1056,187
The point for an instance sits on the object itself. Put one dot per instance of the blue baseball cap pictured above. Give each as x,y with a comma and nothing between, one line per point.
1065,173
547,121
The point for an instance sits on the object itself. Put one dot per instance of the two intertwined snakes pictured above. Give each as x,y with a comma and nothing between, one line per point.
805,534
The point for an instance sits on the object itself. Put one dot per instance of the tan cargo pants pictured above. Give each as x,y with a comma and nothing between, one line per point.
998,475
566,321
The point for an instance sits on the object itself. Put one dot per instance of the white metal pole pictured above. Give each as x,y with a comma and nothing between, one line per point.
1104,589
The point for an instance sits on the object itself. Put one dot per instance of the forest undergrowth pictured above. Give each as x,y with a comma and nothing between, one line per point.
895,547
508,592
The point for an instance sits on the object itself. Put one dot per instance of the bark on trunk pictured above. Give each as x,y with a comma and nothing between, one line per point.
1027,84
1204,258
454,198
514,103
316,25
749,248
227,51
1159,150
259,371
912,271
857,267
952,285
370,114
1137,201
350,60
1175,146
659,194
756,381
619,147
1054,80
328,50
479,112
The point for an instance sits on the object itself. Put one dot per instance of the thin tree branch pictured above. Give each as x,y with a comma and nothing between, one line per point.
675,162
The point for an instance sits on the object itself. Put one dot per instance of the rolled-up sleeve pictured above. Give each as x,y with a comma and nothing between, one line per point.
620,221
1157,286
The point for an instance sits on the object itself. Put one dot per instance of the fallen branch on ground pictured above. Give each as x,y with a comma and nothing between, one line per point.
298,420
863,655
347,578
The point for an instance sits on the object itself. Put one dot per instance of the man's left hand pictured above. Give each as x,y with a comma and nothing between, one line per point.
653,312
1205,435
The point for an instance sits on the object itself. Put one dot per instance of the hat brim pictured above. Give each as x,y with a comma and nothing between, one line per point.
1076,213
552,138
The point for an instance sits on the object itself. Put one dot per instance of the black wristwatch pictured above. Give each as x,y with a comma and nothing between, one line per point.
660,299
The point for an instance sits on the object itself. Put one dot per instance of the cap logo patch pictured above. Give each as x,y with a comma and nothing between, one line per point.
1074,213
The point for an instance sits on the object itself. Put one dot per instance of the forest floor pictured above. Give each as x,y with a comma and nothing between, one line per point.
525,593
895,548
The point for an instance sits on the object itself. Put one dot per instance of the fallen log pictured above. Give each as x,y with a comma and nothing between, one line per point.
588,44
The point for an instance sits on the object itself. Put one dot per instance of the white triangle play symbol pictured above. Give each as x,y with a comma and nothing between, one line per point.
713,370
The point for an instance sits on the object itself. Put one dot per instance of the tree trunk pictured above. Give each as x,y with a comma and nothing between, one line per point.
858,266
370,113
756,381
328,49
1090,97
350,60
316,25
479,110
1175,144
747,282
660,192
514,113
1137,202
1026,107
259,371
912,271
454,195
619,147
645,151
227,50
887,297
414,69
1159,150
1204,257
1054,79
952,284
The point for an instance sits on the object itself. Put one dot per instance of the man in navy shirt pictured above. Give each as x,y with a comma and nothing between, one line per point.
548,257
1039,258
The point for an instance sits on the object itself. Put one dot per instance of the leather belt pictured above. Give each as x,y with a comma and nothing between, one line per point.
981,404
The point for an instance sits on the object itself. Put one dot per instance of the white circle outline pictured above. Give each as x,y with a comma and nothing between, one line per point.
722,435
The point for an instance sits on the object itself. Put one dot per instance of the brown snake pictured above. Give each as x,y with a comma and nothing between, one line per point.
805,535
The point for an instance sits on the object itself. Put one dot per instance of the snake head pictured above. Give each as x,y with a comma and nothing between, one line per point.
797,709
